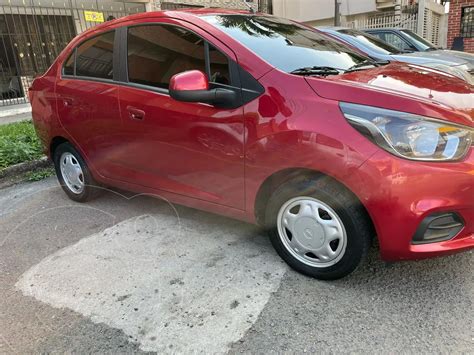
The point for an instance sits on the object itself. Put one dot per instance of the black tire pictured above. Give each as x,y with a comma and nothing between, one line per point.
346,206
91,188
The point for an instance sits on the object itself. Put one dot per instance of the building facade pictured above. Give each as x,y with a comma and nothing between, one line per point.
461,25
34,32
257,5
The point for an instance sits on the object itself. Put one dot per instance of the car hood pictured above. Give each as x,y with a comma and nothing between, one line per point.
399,85
466,57
430,57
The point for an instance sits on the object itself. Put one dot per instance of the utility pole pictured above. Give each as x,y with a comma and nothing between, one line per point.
337,13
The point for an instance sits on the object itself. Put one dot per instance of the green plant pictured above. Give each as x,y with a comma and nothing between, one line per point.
18,143
39,174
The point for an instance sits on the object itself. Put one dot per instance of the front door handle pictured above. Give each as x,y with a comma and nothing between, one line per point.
135,113
67,102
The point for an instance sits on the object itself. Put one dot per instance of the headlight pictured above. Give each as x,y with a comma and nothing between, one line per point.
408,135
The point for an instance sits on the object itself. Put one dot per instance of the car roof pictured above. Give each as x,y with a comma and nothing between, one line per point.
386,29
185,13
332,28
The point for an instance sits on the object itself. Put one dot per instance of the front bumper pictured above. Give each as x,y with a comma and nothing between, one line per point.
399,194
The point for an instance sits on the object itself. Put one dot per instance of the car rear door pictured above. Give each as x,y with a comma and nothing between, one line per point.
87,100
192,149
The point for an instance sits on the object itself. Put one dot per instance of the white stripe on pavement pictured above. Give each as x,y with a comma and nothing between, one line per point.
170,286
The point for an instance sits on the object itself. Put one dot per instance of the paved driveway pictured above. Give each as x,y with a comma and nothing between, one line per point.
136,274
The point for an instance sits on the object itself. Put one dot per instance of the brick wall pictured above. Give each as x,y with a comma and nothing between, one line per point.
454,23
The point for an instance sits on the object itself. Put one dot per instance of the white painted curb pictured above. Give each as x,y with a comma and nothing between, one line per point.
15,111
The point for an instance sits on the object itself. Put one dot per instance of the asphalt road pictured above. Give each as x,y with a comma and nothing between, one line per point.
126,274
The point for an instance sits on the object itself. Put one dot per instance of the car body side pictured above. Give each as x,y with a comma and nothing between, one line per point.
291,129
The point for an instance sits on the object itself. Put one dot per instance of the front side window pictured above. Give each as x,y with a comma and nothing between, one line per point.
286,44
467,22
157,52
219,67
94,57
395,40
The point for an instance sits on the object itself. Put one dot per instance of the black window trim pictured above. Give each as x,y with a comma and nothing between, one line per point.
248,89
91,78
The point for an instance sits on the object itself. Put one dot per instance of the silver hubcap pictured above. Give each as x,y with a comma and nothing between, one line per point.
71,172
312,231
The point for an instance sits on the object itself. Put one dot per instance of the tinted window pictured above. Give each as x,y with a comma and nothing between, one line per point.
394,40
370,42
157,52
94,57
285,44
68,68
219,65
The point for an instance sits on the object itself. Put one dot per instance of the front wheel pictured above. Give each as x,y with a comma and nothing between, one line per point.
318,227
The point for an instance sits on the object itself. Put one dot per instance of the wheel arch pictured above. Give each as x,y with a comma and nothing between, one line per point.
55,143
272,182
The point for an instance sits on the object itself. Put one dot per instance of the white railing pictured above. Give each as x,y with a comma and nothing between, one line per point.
408,21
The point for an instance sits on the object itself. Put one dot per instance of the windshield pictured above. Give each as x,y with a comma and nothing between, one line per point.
285,44
421,42
370,42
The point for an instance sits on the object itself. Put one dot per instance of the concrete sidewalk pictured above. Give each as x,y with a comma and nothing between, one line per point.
15,113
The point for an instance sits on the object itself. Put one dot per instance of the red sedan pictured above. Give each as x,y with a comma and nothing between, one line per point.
268,121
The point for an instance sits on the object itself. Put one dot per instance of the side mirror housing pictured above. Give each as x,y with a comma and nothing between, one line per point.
193,86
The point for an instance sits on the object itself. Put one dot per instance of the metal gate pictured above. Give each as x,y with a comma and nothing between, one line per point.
34,32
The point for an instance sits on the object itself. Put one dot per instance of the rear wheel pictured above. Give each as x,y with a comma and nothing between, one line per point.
318,227
73,174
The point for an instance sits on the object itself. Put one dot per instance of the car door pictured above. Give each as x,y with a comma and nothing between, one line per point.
192,149
87,100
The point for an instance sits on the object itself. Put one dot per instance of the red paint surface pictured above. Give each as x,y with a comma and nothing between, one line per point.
190,80
218,159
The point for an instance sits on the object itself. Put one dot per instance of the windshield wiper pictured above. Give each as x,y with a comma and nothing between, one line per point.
317,70
366,63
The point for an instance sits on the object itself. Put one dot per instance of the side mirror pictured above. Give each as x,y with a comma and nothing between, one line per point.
193,86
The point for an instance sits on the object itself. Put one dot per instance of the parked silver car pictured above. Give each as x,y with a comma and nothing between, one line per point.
382,51
409,41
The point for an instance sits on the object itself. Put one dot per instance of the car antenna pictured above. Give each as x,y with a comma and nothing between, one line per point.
251,10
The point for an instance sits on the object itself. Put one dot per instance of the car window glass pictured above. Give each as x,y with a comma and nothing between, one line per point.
396,41
420,41
157,52
94,57
285,44
219,65
68,68
370,42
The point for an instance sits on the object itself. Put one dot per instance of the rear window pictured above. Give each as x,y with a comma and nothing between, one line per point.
370,42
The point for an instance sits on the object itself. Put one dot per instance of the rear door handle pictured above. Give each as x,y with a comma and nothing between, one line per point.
135,113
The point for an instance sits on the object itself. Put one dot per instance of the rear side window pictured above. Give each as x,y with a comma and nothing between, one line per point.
157,52
94,57
68,68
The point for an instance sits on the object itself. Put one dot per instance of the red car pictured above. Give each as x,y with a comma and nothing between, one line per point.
268,121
